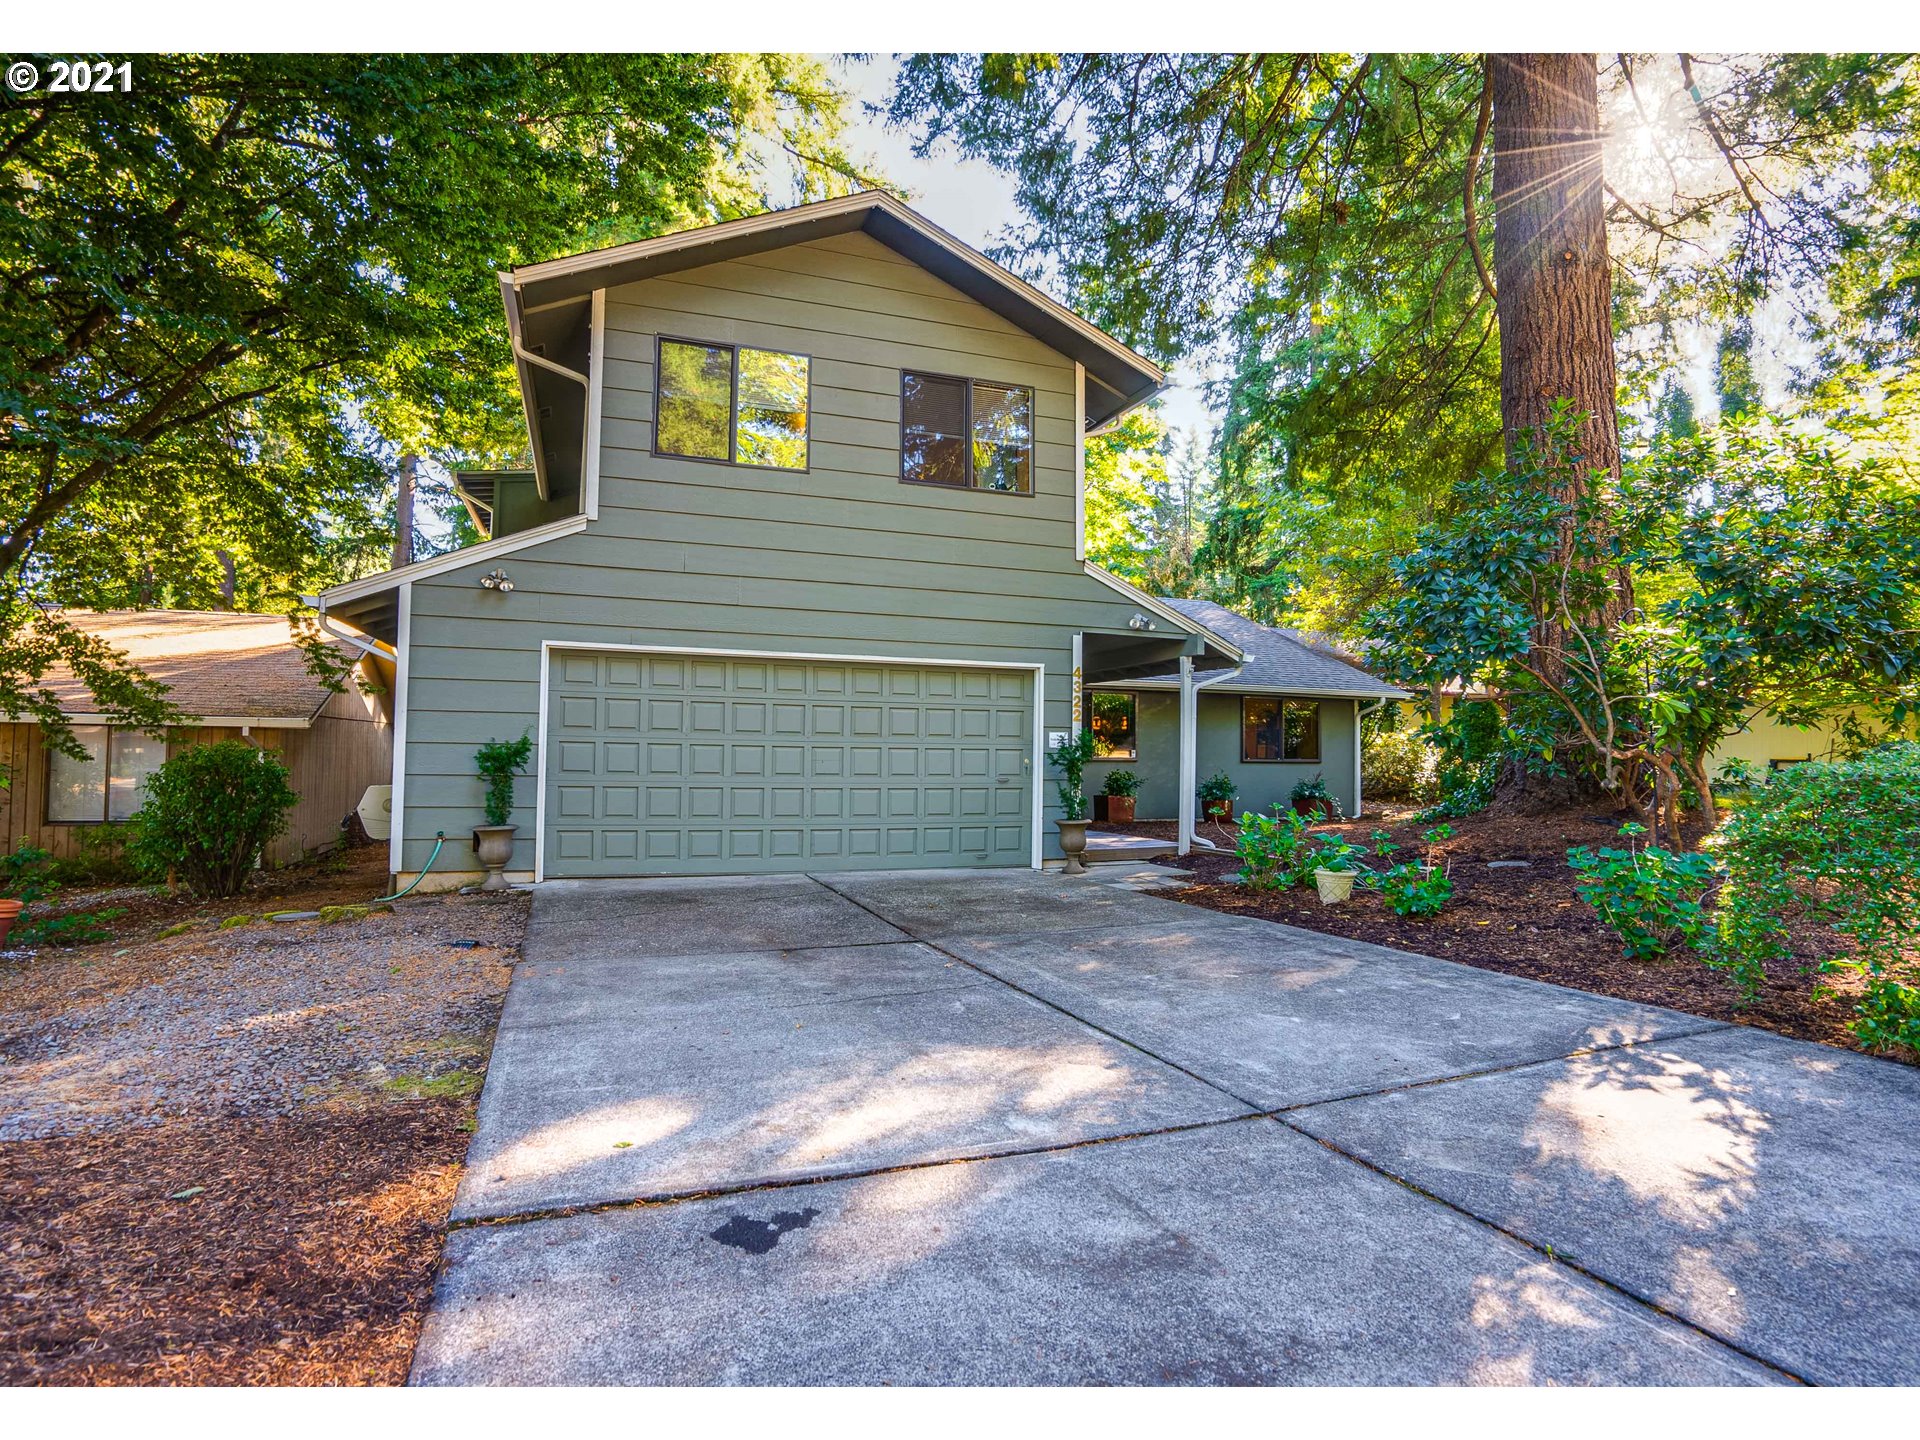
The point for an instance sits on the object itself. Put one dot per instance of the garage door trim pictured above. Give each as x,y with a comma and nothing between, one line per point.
547,647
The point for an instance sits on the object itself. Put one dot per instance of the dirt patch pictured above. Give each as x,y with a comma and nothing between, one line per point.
229,1151
1530,922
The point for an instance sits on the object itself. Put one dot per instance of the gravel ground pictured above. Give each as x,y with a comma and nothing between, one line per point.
255,1020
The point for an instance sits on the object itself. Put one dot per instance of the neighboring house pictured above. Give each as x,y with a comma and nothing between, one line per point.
1290,711
242,677
802,582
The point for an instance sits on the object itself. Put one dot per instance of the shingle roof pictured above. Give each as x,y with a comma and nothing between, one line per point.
219,663
1278,659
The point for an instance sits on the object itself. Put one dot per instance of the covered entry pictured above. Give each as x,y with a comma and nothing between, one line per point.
658,763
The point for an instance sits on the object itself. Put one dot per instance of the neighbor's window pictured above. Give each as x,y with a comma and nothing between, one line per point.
971,434
1110,718
110,784
733,403
1275,729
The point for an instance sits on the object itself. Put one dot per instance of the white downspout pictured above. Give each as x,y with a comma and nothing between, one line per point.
366,645
586,431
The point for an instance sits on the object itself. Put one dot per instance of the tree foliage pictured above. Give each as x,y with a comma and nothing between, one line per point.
1782,578
230,298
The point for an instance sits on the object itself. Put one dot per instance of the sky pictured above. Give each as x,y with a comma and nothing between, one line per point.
971,199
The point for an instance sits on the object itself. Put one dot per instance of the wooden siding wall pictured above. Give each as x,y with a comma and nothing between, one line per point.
330,765
842,559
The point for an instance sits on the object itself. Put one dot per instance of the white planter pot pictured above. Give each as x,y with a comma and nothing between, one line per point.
1333,885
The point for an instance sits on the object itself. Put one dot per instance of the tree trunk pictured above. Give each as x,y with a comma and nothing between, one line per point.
1551,270
403,514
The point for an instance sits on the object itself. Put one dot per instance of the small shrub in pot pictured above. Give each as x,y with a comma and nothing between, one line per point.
1117,797
1216,795
1313,799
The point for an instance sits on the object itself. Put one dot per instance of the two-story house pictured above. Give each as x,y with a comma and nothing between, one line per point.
797,579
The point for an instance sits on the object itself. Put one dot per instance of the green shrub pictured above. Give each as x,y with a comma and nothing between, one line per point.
1333,853
1276,851
1838,842
1413,887
210,812
1121,783
1648,896
102,858
1400,765
66,930
1070,756
498,761
26,874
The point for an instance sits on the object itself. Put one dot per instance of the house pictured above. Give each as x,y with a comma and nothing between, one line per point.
1289,711
241,677
795,579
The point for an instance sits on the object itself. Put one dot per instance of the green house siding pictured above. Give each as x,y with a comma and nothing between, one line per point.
841,560
1260,784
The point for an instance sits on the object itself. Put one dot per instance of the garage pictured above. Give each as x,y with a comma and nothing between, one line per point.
660,763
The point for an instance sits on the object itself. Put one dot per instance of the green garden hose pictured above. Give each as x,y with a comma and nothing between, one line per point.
439,839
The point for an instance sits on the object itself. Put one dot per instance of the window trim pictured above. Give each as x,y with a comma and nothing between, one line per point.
970,488
1282,701
733,348
1134,696
106,770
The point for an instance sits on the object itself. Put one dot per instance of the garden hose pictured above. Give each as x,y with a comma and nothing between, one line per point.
439,839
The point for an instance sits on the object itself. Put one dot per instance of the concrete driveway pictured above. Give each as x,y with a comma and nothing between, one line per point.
1009,1128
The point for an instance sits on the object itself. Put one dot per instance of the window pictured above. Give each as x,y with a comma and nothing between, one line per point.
970,434
1110,718
110,784
732,403
1275,729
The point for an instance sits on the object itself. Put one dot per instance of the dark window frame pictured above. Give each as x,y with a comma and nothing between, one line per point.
971,487
51,755
1282,701
733,349
1134,697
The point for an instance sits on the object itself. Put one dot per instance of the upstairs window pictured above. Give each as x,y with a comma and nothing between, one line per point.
969,434
732,403
110,784
1274,729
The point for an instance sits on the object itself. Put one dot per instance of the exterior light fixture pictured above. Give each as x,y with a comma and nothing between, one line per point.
497,580
1139,622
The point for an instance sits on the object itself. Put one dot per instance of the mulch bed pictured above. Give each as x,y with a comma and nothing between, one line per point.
307,1256
1529,922
227,1155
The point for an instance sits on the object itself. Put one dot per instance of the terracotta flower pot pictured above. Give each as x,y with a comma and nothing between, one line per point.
494,845
1333,885
1073,844
1219,809
1119,809
9,912
1315,808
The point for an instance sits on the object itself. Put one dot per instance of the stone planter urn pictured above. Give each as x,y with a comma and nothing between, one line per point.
1334,885
494,845
1073,844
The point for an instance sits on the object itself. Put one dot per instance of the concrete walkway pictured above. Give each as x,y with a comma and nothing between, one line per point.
1008,1128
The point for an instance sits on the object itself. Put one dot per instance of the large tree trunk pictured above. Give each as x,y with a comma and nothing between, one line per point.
1551,268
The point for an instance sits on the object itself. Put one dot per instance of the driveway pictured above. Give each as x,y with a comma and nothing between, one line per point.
1010,1128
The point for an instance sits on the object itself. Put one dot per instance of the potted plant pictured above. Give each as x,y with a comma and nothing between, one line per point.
1071,756
1336,866
23,880
1312,798
498,761
1216,796
1115,802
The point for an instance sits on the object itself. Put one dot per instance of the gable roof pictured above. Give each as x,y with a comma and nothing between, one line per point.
221,664
1118,378
1278,659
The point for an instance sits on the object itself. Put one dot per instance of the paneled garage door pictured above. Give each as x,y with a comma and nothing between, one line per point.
698,765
